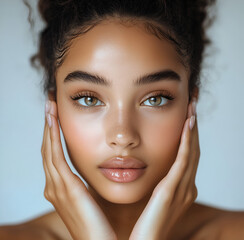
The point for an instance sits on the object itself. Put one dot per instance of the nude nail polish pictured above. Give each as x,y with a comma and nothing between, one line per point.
47,106
192,122
49,120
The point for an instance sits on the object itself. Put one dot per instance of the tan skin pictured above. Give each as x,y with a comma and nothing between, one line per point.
158,205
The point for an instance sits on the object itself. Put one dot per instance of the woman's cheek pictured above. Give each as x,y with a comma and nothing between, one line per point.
163,142
81,137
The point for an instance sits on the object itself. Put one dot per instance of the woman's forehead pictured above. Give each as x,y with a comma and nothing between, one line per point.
119,49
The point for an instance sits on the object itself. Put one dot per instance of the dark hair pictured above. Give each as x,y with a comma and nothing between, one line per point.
185,21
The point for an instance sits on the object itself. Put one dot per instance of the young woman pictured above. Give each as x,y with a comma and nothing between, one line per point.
122,78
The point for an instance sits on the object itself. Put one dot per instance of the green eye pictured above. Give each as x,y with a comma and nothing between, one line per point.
156,101
88,101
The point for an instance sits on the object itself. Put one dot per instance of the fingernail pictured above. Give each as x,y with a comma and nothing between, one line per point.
49,120
194,103
47,106
192,122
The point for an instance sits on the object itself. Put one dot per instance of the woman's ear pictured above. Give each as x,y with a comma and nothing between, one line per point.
52,95
195,94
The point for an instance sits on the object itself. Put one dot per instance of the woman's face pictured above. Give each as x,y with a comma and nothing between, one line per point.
122,118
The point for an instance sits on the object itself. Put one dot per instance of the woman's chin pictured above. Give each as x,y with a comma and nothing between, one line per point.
121,194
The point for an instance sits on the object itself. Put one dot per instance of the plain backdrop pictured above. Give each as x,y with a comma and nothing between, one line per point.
220,115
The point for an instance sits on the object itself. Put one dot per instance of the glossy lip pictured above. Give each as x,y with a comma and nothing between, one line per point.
122,169
123,162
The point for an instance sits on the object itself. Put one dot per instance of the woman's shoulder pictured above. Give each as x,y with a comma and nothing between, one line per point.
199,222
52,224
212,223
47,226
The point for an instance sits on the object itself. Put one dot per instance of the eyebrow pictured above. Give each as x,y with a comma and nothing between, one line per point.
142,80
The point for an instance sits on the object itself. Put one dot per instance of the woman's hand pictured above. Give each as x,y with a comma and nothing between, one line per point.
176,192
66,191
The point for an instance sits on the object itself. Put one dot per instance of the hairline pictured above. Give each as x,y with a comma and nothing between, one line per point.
148,25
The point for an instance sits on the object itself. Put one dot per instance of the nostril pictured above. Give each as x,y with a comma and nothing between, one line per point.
123,139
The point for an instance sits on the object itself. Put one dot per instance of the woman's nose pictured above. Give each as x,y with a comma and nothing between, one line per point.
121,131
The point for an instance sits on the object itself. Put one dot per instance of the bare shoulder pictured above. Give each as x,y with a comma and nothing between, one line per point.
48,226
212,223
53,224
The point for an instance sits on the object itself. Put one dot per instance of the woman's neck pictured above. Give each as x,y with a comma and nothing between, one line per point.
122,217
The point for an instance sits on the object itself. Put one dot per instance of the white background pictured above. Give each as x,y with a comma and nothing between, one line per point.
220,175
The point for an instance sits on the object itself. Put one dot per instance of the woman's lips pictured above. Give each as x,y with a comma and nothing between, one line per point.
123,169
122,175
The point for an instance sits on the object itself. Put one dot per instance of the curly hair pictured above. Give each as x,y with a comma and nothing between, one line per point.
185,20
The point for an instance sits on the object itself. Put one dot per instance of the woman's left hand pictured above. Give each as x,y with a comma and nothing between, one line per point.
176,192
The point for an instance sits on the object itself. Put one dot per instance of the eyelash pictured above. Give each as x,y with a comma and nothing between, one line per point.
164,94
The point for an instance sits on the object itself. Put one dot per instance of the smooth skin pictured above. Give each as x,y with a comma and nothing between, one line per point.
158,205
123,122
170,199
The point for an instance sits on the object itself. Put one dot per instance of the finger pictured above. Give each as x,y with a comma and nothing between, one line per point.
58,157
195,155
192,107
196,146
46,171
54,175
45,130
180,165
188,179
189,110
49,185
47,174
192,149
177,170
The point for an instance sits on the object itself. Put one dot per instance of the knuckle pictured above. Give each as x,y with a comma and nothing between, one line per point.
56,196
48,195
195,192
42,146
191,196
43,152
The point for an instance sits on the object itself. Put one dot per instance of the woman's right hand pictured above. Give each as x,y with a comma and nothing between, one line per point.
66,191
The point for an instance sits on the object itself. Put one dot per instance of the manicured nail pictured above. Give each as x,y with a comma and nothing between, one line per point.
49,120
194,103
192,122
47,106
